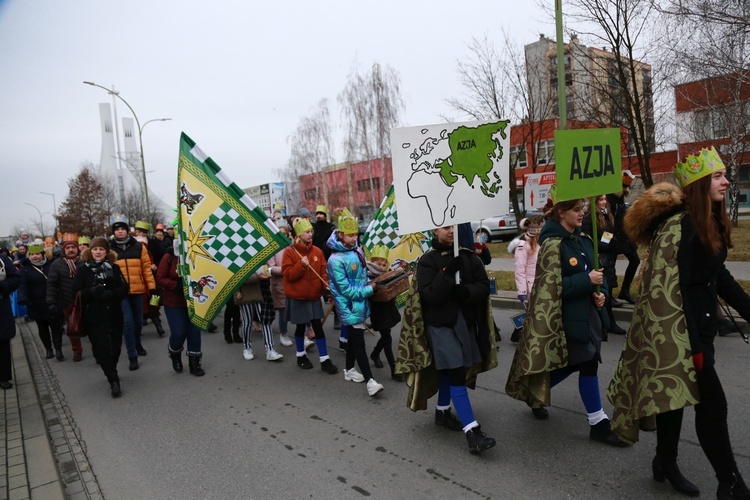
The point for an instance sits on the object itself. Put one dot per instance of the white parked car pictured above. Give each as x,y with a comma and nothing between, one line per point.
500,227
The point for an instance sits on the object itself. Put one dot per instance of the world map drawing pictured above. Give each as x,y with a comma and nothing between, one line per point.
453,171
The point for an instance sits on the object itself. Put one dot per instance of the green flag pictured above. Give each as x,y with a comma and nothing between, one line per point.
222,235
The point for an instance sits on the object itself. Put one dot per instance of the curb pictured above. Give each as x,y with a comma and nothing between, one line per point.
75,479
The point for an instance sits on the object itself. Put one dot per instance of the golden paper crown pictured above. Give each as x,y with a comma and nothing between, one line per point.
698,166
35,248
69,238
347,223
379,251
84,240
301,225
322,209
142,225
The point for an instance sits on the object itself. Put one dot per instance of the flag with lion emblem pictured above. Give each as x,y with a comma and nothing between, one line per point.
222,235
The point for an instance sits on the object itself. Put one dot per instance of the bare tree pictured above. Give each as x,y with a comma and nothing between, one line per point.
714,52
499,86
620,92
311,149
370,105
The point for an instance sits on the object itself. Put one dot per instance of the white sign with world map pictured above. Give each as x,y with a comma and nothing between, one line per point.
450,173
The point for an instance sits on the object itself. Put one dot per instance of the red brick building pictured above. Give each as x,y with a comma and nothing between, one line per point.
360,187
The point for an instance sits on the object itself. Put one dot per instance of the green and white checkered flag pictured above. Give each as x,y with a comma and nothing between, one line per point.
223,236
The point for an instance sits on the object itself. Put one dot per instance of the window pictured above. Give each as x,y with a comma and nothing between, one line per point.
368,184
545,152
518,156
311,194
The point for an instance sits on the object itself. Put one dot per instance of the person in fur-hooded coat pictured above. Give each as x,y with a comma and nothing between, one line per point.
668,359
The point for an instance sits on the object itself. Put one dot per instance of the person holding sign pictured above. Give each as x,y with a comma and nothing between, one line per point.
668,361
607,253
456,324
563,334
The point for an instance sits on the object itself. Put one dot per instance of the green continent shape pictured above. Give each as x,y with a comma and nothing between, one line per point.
472,152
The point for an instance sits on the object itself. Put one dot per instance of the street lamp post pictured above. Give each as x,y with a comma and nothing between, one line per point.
41,219
140,142
54,210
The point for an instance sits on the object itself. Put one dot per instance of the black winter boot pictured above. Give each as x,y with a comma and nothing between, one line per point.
115,389
735,489
50,353
602,432
664,468
227,336
194,362
157,324
237,338
176,357
478,440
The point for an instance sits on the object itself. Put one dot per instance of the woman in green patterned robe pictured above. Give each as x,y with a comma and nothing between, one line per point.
668,359
563,330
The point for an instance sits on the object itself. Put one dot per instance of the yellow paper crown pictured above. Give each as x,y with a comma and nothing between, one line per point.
347,223
35,248
142,225
84,240
552,193
302,225
379,251
698,166
321,209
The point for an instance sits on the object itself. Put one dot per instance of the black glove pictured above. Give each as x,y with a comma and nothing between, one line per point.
151,293
454,265
461,293
98,292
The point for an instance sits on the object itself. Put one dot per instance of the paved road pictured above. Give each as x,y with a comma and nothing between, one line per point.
254,429
740,270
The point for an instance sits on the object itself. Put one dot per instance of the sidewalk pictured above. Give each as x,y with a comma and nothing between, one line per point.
41,454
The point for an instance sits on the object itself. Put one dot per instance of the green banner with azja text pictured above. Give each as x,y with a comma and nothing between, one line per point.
587,162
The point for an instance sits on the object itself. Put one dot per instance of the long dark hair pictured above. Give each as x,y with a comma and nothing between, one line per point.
709,217
554,212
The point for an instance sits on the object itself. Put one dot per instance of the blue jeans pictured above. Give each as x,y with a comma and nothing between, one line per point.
181,328
132,322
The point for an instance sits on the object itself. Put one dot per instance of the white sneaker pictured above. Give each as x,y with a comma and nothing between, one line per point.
353,376
373,387
274,356
248,354
308,343
285,340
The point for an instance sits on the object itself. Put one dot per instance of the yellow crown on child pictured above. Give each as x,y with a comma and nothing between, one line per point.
698,166
347,223
142,225
379,251
35,248
301,225
84,240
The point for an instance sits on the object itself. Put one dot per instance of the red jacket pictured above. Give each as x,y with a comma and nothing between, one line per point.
170,282
300,282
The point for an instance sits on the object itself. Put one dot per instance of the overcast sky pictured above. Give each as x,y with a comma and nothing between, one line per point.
236,76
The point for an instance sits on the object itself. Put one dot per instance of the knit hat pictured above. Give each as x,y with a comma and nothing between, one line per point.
301,225
100,242
303,212
142,226
347,223
698,166
119,220
35,248
84,240
69,239
321,209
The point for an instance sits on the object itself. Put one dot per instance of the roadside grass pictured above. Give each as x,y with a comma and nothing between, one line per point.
505,280
740,252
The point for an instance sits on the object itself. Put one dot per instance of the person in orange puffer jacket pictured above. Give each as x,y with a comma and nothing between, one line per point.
135,264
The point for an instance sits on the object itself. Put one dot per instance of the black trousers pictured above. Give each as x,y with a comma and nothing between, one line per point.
232,318
710,426
6,361
633,262
385,345
106,347
355,350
